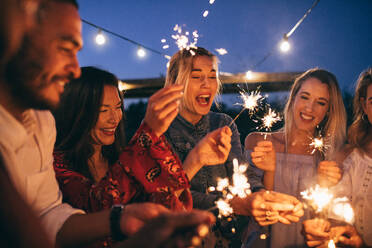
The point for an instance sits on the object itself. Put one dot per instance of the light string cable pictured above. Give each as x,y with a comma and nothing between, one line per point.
124,38
287,35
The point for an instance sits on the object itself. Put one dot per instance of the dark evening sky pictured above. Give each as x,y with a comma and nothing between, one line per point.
335,36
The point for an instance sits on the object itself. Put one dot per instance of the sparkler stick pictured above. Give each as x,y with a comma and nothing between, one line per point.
236,117
251,102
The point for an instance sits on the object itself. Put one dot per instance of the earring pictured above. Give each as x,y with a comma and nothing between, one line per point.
364,117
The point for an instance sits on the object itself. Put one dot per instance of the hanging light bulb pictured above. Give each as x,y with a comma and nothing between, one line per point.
284,45
141,52
100,38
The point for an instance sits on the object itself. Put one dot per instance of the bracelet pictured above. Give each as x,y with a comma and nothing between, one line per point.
115,216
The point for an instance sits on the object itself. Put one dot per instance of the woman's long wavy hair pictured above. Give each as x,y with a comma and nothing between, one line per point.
358,131
180,67
333,126
78,114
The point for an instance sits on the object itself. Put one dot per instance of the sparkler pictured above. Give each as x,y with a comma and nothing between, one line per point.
319,144
318,197
183,40
341,209
331,244
251,102
269,119
239,187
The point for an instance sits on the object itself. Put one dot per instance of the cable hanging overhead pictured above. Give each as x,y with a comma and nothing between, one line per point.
284,44
101,40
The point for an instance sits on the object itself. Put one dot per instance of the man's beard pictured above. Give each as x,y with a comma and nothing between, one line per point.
24,77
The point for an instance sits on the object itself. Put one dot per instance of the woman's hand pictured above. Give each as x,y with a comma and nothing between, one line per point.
268,207
329,173
162,108
346,235
263,156
316,232
213,149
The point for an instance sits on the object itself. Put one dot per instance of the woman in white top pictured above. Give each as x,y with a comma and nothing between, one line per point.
286,160
356,182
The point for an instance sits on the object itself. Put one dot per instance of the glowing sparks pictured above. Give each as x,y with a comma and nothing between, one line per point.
239,187
184,40
331,244
165,46
251,101
263,236
318,144
211,1
270,119
163,40
318,197
205,13
342,209
221,51
224,208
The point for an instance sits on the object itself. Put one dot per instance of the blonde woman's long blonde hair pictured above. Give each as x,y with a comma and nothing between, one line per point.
333,126
180,67
358,130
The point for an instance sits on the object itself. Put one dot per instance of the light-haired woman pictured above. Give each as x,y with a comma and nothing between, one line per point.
286,160
197,70
356,183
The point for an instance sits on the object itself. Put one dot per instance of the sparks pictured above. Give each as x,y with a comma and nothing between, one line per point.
318,197
224,208
270,119
331,244
205,14
221,51
251,102
211,1
239,187
341,209
183,39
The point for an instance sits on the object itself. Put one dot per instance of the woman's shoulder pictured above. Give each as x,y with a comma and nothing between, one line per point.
277,138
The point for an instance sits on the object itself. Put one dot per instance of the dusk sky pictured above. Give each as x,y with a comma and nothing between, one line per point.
336,35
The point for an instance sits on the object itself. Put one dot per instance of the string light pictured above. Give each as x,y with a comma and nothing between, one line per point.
284,44
249,75
100,38
141,52
102,29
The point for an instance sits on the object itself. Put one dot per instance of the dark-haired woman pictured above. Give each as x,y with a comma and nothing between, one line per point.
92,166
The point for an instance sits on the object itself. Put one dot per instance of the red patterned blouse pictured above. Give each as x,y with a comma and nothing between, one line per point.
147,170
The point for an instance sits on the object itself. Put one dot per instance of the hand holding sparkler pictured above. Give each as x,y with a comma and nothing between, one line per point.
213,149
268,208
263,156
162,108
316,232
329,173
346,235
